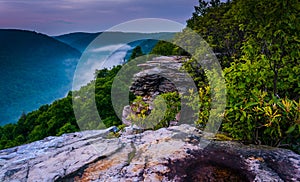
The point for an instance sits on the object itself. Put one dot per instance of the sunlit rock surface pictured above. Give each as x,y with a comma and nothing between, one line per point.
168,154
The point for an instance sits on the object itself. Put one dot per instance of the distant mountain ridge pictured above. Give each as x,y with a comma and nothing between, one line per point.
77,40
18,40
81,40
35,69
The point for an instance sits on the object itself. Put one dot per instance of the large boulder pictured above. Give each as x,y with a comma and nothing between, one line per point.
168,154
158,76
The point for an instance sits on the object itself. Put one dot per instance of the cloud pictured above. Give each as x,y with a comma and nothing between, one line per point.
111,48
63,22
97,1
115,59
99,58
87,15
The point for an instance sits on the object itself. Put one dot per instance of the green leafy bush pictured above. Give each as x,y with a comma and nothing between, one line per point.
201,102
168,48
264,119
165,108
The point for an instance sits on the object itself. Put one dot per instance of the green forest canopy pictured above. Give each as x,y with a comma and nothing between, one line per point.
258,46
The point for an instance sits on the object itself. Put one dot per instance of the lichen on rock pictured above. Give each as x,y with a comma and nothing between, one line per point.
167,154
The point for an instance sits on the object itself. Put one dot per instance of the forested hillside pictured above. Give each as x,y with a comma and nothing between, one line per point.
258,46
58,118
35,69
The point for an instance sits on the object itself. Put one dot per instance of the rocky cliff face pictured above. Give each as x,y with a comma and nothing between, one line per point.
156,75
168,154
160,75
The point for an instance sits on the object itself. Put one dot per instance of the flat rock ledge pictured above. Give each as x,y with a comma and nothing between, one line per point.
168,154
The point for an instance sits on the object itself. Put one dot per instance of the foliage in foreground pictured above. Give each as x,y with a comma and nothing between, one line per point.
259,118
164,109
257,44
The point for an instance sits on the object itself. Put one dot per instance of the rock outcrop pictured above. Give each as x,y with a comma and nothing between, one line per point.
158,76
168,154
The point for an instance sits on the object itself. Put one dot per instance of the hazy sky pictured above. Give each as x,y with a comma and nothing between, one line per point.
54,17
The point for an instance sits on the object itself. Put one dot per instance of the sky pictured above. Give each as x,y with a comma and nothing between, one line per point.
56,17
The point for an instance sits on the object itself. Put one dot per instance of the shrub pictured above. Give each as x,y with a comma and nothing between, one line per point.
264,119
165,108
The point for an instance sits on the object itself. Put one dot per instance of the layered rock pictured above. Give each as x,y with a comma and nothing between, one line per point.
55,157
158,76
168,154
